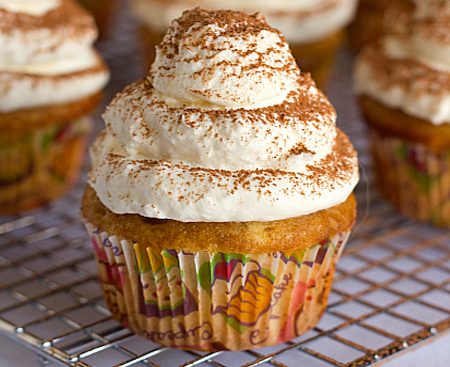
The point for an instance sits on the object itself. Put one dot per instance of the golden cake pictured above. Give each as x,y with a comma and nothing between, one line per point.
102,10
367,25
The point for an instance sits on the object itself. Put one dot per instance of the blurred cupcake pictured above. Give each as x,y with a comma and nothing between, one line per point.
220,196
314,29
102,11
366,27
50,79
403,84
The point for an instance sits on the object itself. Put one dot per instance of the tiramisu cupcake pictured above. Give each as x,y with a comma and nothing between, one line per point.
312,28
50,79
220,196
102,10
403,84
367,25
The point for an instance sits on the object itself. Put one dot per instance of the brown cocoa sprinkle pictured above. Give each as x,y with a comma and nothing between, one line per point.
407,74
300,148
68,17
299,106
231,23
198,28
403,20
337,168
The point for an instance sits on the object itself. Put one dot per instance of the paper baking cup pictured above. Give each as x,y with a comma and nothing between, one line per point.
414,178
40,164
218,301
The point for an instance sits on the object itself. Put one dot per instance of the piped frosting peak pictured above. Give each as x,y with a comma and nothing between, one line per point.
225,58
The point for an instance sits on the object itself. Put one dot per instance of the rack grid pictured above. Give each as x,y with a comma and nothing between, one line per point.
390,293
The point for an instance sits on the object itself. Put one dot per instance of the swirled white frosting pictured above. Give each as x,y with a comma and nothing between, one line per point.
32,7
301,21
183,144
47,58
417,49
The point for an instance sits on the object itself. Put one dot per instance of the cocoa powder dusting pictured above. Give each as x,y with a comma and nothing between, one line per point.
69,16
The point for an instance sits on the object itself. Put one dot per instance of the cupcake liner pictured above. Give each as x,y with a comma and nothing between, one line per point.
40,164
415,178
215,301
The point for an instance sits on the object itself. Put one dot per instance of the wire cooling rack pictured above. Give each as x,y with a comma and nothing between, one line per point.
391,290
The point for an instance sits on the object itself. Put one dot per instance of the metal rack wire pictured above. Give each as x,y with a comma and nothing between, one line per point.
390,293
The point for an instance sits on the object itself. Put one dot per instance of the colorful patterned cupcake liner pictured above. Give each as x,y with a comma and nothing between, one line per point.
41,164
218,301
414,178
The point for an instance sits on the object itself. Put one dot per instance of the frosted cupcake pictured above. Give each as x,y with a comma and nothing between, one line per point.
50,80
314,29
403,84
367,25
220,195
102,10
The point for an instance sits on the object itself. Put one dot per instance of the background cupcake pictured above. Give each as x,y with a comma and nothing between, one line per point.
220,194
102,10
367,25
403,85
50,79
314,29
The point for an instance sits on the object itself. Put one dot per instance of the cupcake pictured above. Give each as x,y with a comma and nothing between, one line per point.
50,80
102,11
403,83
314,29
366,27
220,194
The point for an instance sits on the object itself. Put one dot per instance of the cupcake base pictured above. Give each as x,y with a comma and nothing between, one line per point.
40,165
215,301
367,27
318,57
41,152
102,11
149,40
413,178
411,162
164,280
